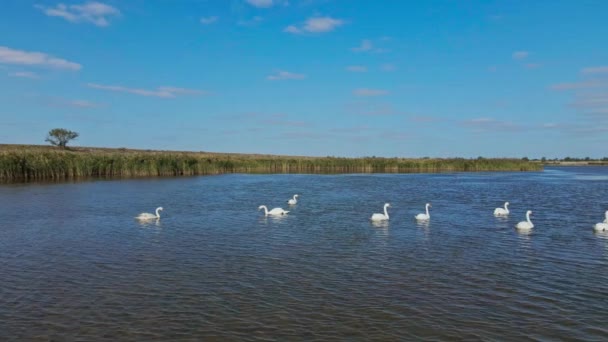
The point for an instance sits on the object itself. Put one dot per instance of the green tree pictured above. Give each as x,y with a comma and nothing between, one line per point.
60,137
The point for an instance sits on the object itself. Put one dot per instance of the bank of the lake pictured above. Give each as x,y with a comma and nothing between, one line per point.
34,162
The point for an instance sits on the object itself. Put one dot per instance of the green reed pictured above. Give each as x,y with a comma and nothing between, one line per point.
25,162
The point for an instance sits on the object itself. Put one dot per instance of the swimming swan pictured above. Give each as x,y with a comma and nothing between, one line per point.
422,216
527,224
148,216
381,217
294,200
602,226
501,211
273,212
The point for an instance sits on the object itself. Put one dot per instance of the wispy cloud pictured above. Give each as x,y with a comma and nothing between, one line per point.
366,92
519,55
481,125
25,74
423,118
578,85
533,65
366,45
592,103
285,75
96,13
356,68
250,22
265,119
13,56
260,3
209,20
371,108
388,67
595,70
352,129
315,25
73,103
163,92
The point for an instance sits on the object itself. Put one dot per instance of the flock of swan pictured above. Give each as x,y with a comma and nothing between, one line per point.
379,217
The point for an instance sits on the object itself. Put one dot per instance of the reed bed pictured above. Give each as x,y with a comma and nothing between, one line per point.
27,162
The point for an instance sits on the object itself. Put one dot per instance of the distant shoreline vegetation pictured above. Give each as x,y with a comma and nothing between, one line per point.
36,162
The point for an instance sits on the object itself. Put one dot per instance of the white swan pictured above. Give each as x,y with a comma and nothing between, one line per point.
422,216
273,212
294,200
527,224
502,211
148,216
381,217
602,226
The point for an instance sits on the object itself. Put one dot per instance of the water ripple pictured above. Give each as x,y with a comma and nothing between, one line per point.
75,265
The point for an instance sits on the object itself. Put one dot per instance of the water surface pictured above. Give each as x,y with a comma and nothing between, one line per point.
75,265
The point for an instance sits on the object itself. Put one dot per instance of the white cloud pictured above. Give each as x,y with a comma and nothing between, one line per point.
366,92
519,55
366,45
24,74
93,12
78,103
489,124
533,65
260,3
356,68
251,22
595,70
209,20
163,92
388,67
578,85
292,29
12,56
285,75
315,25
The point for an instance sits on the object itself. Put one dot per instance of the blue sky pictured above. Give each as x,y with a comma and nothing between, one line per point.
310,77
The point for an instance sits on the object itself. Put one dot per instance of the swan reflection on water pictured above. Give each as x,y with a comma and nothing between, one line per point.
272,218
149,223
423,224
380,224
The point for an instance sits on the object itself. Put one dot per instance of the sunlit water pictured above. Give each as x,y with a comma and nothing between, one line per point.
75,265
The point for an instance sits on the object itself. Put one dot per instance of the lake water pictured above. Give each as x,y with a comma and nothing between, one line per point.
75,265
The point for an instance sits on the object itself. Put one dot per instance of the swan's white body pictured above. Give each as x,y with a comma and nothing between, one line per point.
381,217
527,224
294,200
502,211
148,216
273,212
602,226
423,216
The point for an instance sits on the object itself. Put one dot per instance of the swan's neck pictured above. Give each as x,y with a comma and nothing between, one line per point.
427,211
385,211
265,210
157,213
294,197
507,206
528,218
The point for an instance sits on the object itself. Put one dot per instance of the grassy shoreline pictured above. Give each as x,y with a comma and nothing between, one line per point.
37,162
